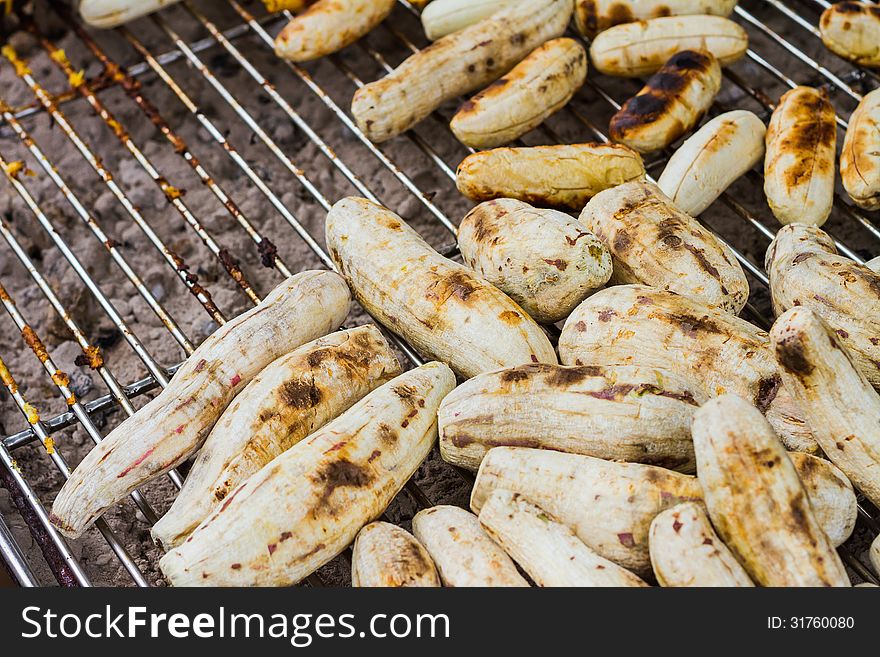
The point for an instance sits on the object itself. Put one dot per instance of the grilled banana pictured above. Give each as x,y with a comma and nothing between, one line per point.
310,502
756,500
686,551
860,157
290,399
639,49
542,259
444,17
112,13
545,548
839,401
384,555
609,505
653,242
641,325
594,16
456,65
799,165
852,30
712,159
445,310
564,176
620,413
670,104
537,87
464,553
165,432
328,26
805,270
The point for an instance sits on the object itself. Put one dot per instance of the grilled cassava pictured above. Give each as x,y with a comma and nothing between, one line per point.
653,242
537,87
708,162
641,325
639,49
442,308
384,555
756,500
456,65
174,425
542,259
839,401
799,164
307,505
563,176
290,399
622,413
670,104
831,495
464,553
545,548
805,270
686,551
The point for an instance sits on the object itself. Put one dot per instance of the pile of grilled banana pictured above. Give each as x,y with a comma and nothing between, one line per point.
663,439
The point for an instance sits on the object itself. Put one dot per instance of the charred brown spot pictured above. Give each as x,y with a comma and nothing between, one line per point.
676,526
622,241
563,377
458,283
606,315
767,391
341,473
792,356
703,261
516,374
236,566
510,317
692,325
560,264
386,434
580,326
300,394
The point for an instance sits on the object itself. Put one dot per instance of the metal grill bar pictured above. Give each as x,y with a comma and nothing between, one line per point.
156,65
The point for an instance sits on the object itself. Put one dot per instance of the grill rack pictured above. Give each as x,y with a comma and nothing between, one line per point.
394,42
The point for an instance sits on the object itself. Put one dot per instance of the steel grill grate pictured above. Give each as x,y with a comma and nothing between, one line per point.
202,78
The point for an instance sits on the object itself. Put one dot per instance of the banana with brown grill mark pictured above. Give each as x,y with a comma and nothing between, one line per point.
756,500
329,26
799,163
594,16
860,157
537,87
636,50
564,176
712,159
670,104
852,30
